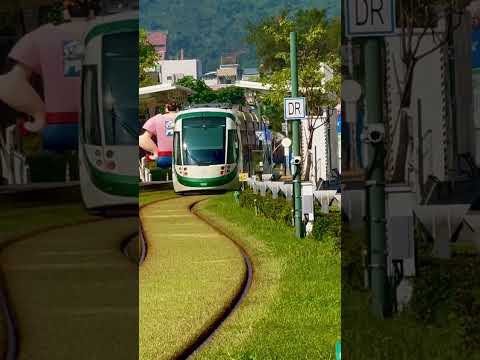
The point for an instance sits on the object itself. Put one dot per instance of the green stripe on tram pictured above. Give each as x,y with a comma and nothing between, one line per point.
113,184
206,182
197,114
112,28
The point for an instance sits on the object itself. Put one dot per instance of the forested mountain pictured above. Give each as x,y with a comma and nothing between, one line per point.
206,29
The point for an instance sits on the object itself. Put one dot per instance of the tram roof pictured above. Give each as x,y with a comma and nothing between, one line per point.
110,23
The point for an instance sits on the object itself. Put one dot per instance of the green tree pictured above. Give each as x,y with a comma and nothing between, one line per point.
148,58
318,45
231,94
204,94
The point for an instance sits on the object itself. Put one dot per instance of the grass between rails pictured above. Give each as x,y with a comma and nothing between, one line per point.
190,275
147,197
17,222
74,293
293,308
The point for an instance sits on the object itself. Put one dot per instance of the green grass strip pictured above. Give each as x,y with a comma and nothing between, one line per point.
190,276
292,310
18,222
73,292
147,197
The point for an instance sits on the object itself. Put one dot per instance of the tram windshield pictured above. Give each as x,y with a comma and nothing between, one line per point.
203,141
120,93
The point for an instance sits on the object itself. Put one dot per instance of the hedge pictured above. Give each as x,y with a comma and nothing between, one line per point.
326,227
277,209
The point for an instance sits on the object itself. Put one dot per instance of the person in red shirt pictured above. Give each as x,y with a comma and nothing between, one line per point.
158,136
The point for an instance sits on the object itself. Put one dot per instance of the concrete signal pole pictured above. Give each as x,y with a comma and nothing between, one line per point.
297,184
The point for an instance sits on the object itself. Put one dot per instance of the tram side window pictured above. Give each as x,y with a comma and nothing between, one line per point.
90,120
176,146
232,151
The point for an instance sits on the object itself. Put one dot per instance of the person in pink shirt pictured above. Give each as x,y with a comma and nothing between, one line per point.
158,136
55,53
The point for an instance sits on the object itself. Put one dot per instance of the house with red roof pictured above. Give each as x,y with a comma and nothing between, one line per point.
159,41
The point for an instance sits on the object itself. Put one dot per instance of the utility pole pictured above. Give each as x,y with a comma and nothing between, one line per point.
297,185
376,180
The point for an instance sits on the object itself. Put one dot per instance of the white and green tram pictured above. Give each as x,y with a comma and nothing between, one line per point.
213,145
108,132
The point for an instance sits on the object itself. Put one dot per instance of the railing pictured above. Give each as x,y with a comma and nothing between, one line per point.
14,164
324,198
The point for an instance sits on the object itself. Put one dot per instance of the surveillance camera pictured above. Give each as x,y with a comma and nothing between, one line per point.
373,133
297,160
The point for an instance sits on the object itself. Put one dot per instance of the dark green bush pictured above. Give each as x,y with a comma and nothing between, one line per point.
447,293
277,209
353,246
328,227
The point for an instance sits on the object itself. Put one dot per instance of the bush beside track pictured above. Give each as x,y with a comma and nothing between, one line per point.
292,310
441,321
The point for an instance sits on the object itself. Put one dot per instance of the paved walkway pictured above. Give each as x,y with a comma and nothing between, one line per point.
190,275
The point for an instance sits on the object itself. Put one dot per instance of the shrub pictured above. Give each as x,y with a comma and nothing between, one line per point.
353,244
327,228
447,293
278,209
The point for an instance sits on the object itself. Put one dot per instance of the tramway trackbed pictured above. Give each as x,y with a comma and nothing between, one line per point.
190,281
72,292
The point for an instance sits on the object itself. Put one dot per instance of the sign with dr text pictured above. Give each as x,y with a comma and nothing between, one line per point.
370,17
295,108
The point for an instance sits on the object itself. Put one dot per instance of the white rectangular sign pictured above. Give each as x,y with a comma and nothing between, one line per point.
370,17
294,108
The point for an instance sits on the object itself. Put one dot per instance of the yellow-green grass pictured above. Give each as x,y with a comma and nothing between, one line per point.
292,310
20,221
366,337
147,197
404,335
191,274
74,293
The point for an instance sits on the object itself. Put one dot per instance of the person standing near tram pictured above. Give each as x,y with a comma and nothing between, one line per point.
53,52
157,138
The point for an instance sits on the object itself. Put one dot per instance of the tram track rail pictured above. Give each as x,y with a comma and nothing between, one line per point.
209,332
6,309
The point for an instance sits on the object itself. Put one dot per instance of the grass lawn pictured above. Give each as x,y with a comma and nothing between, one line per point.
293,308
190,275
147,197
442,284
74,293
69,284
399,338
16,222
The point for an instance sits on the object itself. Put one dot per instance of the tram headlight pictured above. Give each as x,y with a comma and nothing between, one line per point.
110,165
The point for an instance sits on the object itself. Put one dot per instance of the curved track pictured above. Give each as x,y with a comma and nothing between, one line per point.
220,316
30,265
236,301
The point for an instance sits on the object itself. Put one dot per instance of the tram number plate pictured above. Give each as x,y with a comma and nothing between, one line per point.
243,177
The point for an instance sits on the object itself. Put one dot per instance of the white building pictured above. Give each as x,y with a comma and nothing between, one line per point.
325,150
173,70
210,78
